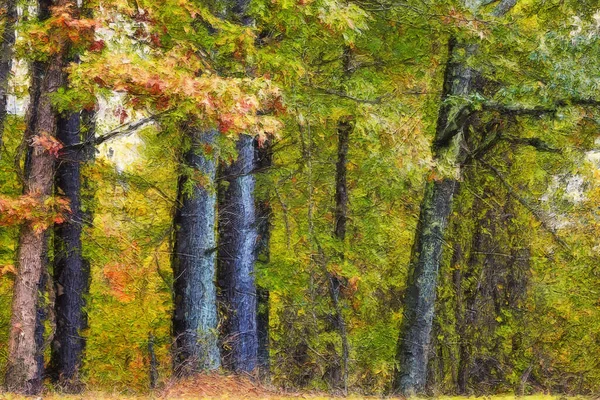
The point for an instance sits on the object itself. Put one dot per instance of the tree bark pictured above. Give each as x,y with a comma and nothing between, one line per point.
23,372
195,309
449,143
345,127
341,185
6,57
236,258
413,345
415,331
71,271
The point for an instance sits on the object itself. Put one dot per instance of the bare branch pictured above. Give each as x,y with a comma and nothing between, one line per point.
122,130
344,95
538,111
534,142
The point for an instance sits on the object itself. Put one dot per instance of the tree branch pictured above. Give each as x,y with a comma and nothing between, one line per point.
513,110
538,111
534,142
124,129
344,95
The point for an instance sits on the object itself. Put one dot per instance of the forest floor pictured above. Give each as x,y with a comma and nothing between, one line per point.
228,388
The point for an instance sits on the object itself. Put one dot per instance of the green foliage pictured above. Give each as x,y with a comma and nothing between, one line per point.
523,236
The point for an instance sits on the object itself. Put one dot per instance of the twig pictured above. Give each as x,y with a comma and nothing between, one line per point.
344,95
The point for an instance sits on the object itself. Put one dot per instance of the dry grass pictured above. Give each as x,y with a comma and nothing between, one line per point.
226,387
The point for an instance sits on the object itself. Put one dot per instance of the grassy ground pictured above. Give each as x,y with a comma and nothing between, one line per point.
191,395
229,387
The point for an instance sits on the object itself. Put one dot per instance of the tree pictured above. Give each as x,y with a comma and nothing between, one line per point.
195,309
71,270
237,255
449,142
23,372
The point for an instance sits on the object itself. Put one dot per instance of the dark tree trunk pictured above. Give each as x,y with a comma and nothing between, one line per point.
71,272
262,331
341,185
263,160
195,310
237,256
238,245
344,128
6,56
466,291
153,370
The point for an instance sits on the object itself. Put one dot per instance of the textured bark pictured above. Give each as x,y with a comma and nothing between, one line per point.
237,256
341,185
419,304
23,373
71,271
6,56
449,143
195,309
263,160
415,332
344,128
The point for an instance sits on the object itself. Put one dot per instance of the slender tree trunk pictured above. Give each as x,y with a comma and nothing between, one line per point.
415,331
71,272
195,309
466,311
262,331
263,160
23,372
6,56
413,345
345,127
341,185
237,256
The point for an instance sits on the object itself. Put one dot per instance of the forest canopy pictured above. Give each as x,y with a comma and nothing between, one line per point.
349,196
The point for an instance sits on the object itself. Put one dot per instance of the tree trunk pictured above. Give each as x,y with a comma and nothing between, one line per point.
237,256
345,127
195,309
23,373
466,311
341,185
6,56
413,343
71,272
263,160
